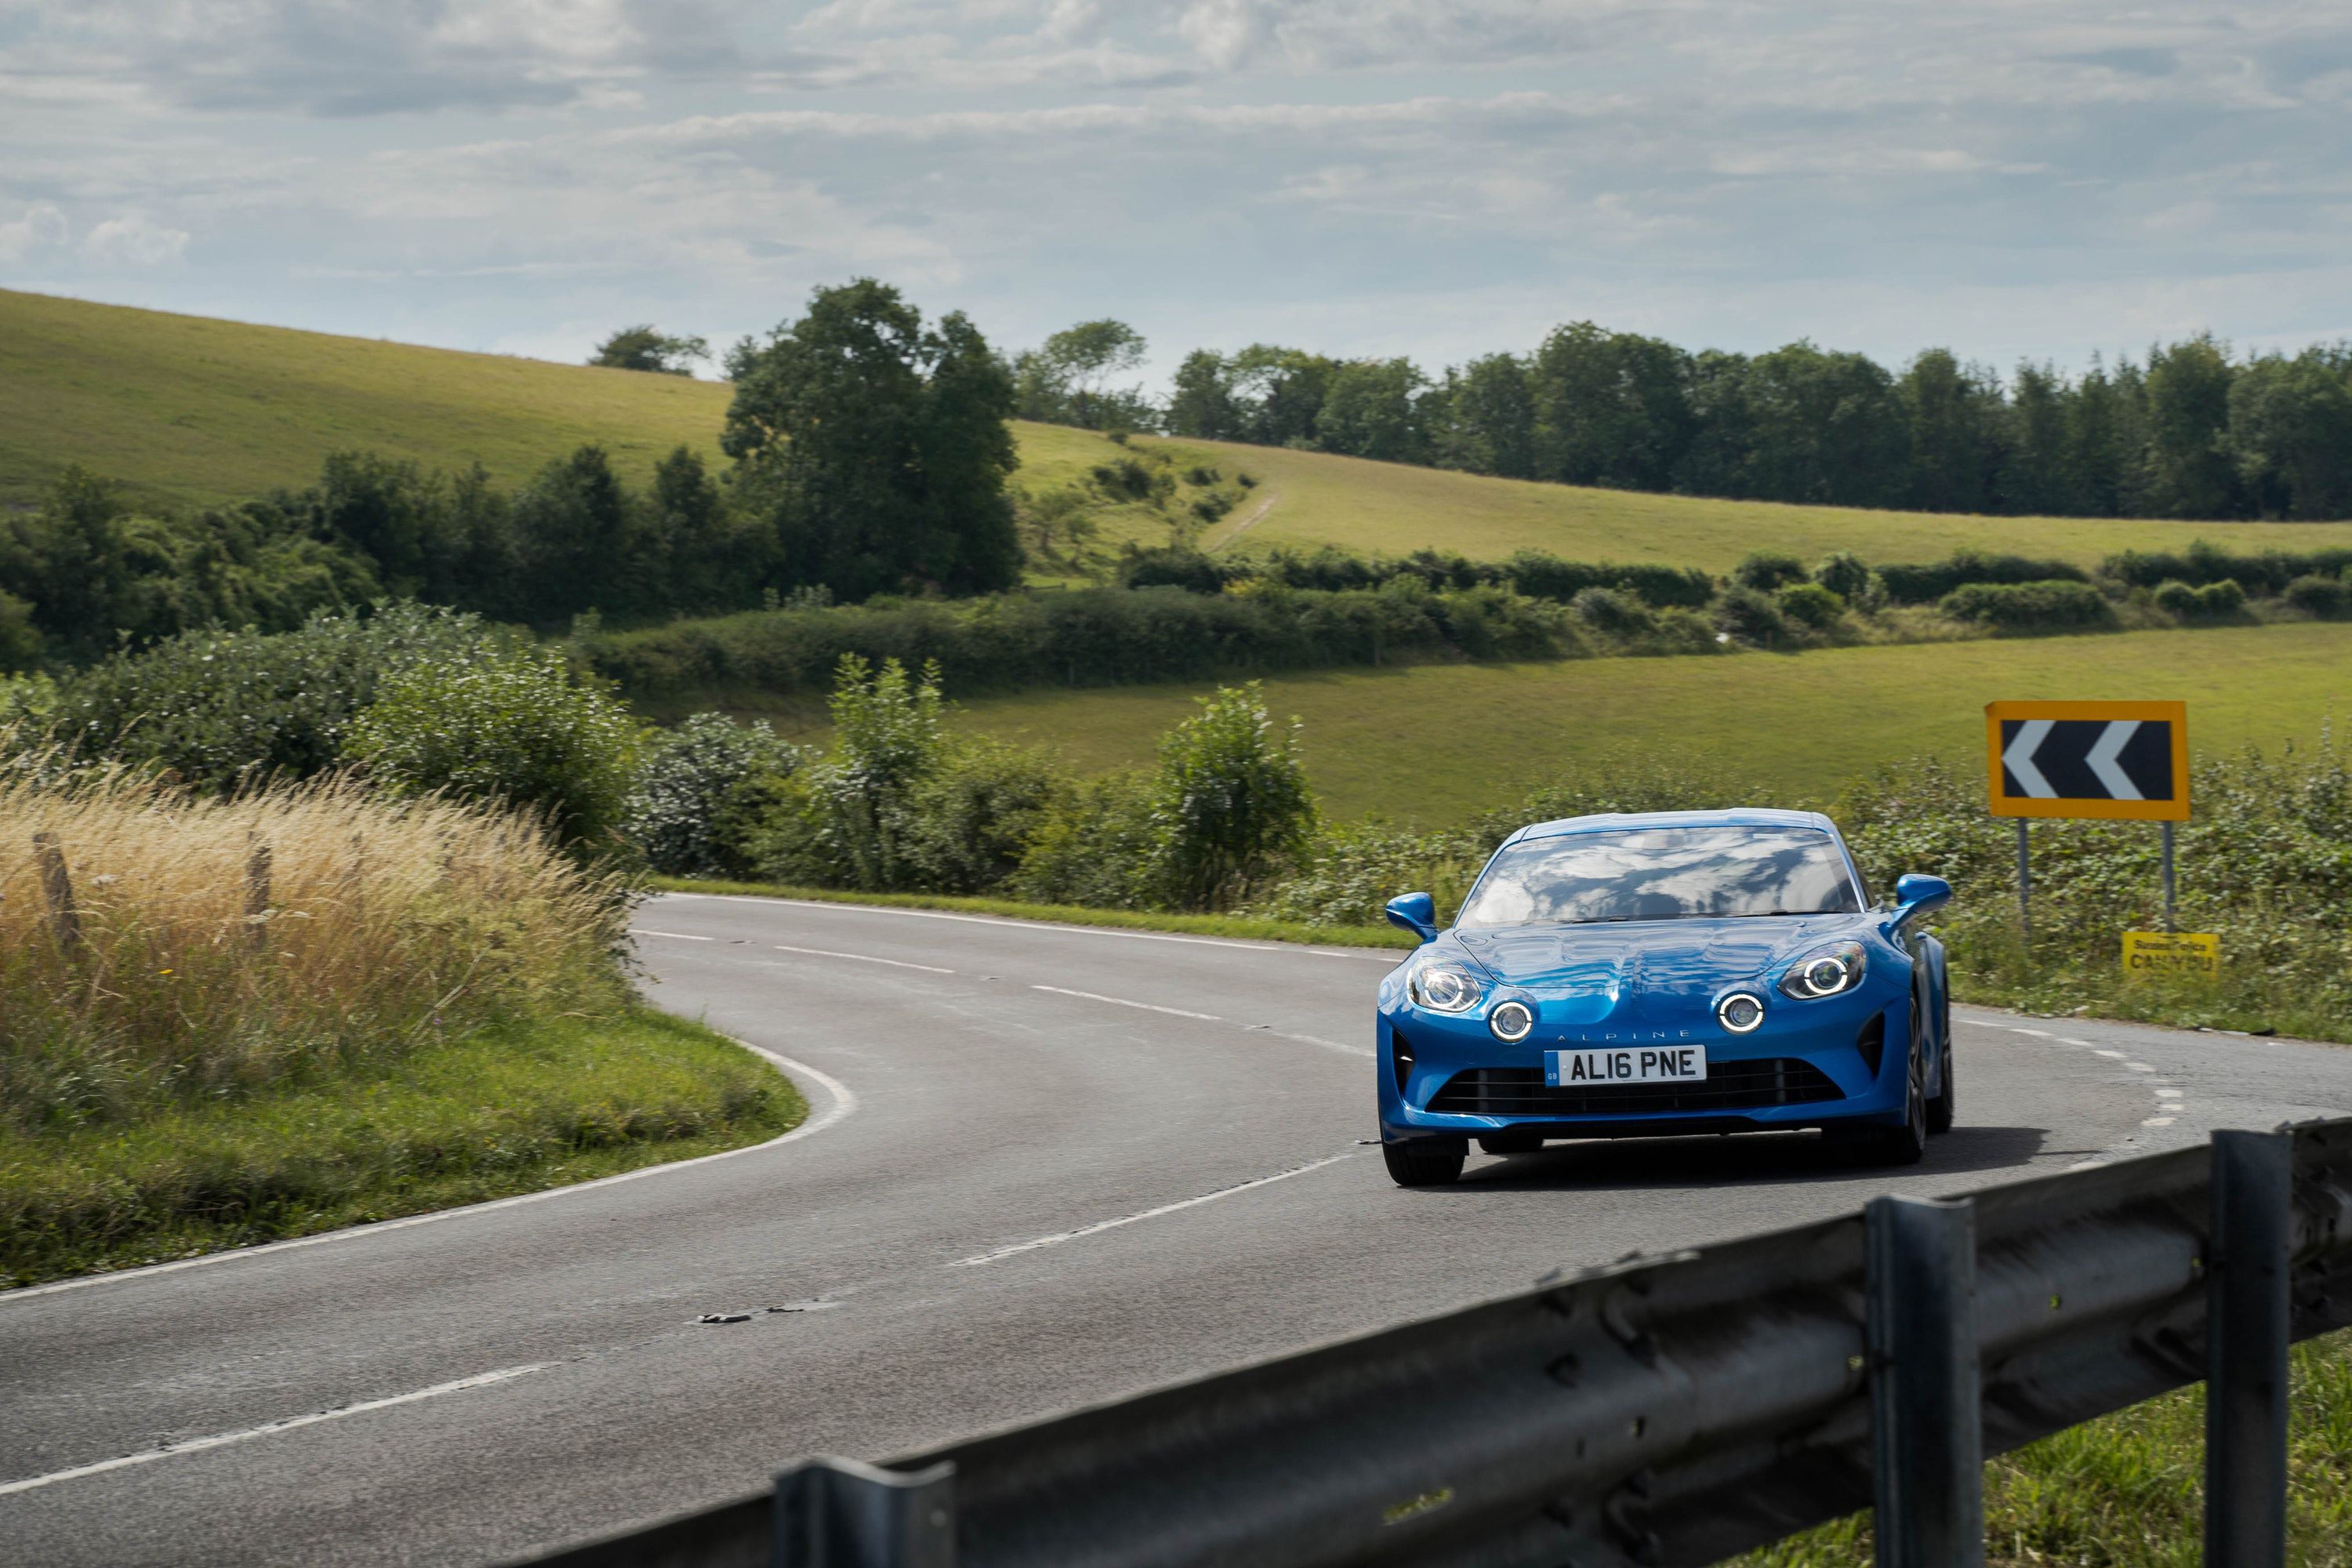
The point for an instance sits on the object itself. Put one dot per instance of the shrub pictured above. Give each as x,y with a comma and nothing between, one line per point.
1607,610
1765,571
2313,594
509,725
2222,599
1201,474
2204,562
1096,844
1751,616
1848,576
886,741
697,795
1921,584
2029,607
2176,598
1811,604
1232,802
971,819
1175,566
219,709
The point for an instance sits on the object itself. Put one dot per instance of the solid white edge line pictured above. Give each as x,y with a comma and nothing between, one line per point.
1376,957
842,1102
1100,1225
269,1428
674,935
1123,1002
862,958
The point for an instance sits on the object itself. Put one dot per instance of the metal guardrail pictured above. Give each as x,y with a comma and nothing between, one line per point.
1661,1412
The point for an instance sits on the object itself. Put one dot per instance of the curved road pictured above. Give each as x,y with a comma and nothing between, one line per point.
1045,1166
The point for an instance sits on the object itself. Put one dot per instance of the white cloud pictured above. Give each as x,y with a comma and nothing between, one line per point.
41,227
132,240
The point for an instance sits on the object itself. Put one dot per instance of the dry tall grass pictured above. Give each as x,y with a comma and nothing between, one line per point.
211,946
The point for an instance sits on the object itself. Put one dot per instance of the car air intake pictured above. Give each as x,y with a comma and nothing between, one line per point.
1728,1086
1872,1042
1401,1055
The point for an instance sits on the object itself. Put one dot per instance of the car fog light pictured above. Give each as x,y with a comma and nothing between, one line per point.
1511,1021
1740,1012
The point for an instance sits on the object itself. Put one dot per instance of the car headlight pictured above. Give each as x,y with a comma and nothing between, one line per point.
1446,988
1825,972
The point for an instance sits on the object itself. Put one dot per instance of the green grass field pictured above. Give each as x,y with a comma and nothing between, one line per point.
1432,743
192,410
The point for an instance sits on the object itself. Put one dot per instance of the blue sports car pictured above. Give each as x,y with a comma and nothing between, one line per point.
1668,972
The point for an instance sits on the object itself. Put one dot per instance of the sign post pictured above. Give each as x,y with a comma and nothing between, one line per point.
2104,761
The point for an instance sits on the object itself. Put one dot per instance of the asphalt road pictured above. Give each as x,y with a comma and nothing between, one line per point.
1045,1166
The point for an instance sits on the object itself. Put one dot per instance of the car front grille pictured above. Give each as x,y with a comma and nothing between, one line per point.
1728,1086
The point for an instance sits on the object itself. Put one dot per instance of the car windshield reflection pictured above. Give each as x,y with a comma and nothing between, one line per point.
1664,874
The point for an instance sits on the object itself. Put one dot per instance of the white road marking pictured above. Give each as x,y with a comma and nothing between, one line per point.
2167,1094
1100,1225
842,1103
2158,1121
1313,1040
2139,1066
269,1428
2086,1045
673,935
863,958
1123,1002
2038,1033
1388,956
2117,1056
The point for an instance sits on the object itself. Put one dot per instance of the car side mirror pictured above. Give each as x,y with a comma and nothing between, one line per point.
1915,895
1417,912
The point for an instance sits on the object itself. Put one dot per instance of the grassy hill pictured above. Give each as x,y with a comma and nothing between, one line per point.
192,410
1432,742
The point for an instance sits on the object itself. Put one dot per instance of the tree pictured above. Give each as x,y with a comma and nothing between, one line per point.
577,534
1280,393
1487,415
1372,409
1201,402
879,449
1953,410
1068,381
1232,801
1610,408
2188,430
642,348
2291,432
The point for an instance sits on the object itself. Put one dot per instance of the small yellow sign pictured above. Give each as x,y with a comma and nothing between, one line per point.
2196,955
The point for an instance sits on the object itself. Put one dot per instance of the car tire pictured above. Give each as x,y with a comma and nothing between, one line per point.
1908,1144
1510,1142
1424,1163
1946,1100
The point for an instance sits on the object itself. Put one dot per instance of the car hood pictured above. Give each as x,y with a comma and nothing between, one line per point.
1647,970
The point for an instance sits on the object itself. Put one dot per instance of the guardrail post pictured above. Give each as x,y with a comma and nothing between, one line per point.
2246,1340
1927,1430
839,1513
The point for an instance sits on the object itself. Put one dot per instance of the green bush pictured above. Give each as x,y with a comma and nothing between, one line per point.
1095,845
1765,571
1751,616
1232,803
2222,599
971,819
2057,605
1925,584
511,725
1811,604
861,799
2324,598
699,791
1848,576
1607,610
222,708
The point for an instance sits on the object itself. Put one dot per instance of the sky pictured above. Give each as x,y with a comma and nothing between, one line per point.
1434,178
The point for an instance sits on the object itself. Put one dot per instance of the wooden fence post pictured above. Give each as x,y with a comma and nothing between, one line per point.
257,895
57,885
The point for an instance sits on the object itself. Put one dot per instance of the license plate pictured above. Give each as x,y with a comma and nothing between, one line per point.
1633,1064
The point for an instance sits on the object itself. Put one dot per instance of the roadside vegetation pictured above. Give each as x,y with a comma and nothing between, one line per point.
2127,1491
228,1016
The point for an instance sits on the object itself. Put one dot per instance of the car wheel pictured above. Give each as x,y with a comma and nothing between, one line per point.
1908,1144
1510,1142
1946,1100
1424,1163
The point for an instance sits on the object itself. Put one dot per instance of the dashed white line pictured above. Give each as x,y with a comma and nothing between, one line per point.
2158,1121
1100,1225
2114,1055
2167,1094
2039,1034
269,1428
1123,1002
1312,1040
862,958
2139,1066
673,935
2086,1045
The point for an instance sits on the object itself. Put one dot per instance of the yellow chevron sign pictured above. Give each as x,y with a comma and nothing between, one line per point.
2115,760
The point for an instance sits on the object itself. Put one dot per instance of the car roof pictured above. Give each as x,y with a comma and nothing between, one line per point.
1620,821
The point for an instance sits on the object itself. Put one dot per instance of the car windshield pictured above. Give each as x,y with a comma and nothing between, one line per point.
1664,874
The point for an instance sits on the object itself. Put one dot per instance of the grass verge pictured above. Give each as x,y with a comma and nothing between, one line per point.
2126,1491
511,1109
1066,914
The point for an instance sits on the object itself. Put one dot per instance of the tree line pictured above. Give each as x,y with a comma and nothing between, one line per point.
2191,431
